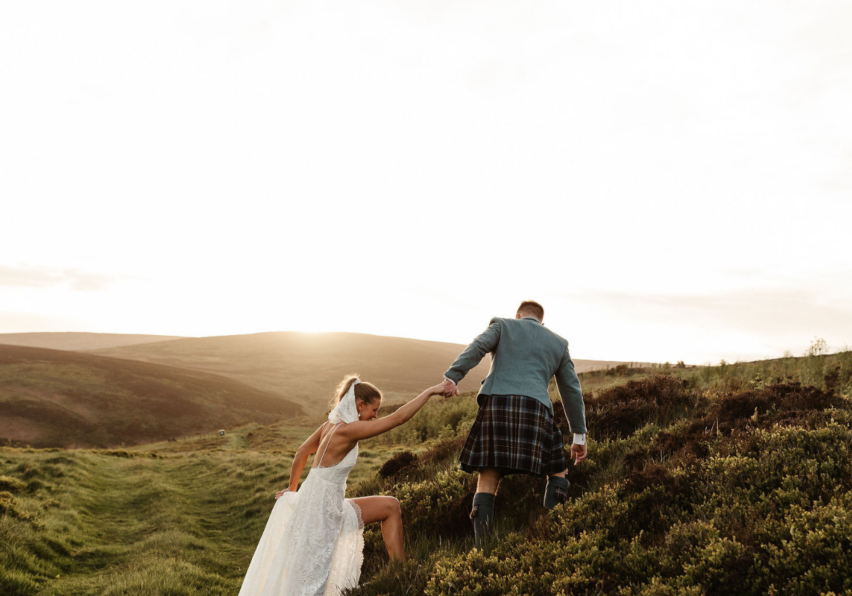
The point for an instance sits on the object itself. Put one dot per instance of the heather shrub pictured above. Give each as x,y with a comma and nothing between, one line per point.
686,492
767,511
622,410
439,504
402,461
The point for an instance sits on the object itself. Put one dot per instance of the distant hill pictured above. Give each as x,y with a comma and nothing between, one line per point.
307,366
54,398
78,341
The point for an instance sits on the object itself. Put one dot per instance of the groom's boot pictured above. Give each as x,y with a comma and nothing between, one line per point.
556,491
482,515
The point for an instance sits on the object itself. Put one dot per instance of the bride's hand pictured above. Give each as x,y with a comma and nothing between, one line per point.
280,493
438,390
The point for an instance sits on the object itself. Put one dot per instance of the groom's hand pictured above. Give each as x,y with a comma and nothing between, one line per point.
450,388
578,453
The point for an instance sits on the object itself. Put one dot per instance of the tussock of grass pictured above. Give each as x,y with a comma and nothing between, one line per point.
11,485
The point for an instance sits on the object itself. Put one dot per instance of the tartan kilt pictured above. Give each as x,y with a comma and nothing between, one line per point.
516,434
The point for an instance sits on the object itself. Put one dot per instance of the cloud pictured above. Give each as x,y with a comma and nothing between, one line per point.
43,277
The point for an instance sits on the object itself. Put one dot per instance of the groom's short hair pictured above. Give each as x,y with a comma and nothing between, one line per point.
531,307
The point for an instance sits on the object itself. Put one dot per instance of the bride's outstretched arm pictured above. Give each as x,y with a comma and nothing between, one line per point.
357,431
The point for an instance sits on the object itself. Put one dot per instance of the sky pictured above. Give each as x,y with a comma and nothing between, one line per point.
671,180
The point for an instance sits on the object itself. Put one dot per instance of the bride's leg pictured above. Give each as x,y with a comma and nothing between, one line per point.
387,511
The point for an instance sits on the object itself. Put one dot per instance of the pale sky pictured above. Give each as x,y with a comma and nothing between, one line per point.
672,180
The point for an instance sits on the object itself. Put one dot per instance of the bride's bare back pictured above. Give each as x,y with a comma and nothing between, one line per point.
331,452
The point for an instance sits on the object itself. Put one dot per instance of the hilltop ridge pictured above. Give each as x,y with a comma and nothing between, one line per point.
78,340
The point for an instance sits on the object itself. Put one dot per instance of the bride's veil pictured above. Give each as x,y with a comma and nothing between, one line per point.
345,410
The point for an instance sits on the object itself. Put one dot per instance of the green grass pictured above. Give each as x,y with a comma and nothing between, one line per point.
714,484
814,368
179,517
111,524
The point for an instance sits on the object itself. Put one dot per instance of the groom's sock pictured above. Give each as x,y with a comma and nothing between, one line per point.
556,491
482,515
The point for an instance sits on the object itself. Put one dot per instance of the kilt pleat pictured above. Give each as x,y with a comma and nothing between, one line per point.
516,434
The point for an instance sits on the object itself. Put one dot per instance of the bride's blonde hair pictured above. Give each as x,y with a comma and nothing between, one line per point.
366,392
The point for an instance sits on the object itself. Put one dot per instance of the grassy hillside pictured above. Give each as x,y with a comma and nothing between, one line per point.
825,371
307,366
176,518
53,398
78,341
690,488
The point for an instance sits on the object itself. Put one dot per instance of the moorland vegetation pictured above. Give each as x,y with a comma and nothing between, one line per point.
731,479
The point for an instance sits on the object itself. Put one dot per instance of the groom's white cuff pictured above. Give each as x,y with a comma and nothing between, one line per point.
450,380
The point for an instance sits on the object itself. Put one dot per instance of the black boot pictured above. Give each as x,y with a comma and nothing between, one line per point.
556,491
482,515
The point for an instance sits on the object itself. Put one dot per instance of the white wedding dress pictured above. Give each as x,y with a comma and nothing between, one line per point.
313,544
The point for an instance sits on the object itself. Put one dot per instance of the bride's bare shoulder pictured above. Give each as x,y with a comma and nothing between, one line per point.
331,429
315,437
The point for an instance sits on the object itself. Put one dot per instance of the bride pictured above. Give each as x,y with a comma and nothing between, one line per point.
313,542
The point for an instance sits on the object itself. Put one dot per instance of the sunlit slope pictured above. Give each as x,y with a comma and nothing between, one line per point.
307,366
53,398
78,341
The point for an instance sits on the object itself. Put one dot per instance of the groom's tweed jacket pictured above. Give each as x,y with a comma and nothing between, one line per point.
524,357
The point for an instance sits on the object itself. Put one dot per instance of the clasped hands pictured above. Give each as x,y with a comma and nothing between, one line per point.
450,388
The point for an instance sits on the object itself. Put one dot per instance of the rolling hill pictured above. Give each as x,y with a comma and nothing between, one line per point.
54,398
306,367
78,341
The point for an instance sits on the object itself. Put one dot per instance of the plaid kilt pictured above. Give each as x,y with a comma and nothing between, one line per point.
516,434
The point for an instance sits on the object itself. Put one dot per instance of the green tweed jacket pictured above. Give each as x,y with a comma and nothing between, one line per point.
524,357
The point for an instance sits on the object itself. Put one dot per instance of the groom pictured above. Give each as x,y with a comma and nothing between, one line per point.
514,431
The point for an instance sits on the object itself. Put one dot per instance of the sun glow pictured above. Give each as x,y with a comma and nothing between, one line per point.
671,185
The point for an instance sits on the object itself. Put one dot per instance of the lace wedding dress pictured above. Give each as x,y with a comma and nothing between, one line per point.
313,544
